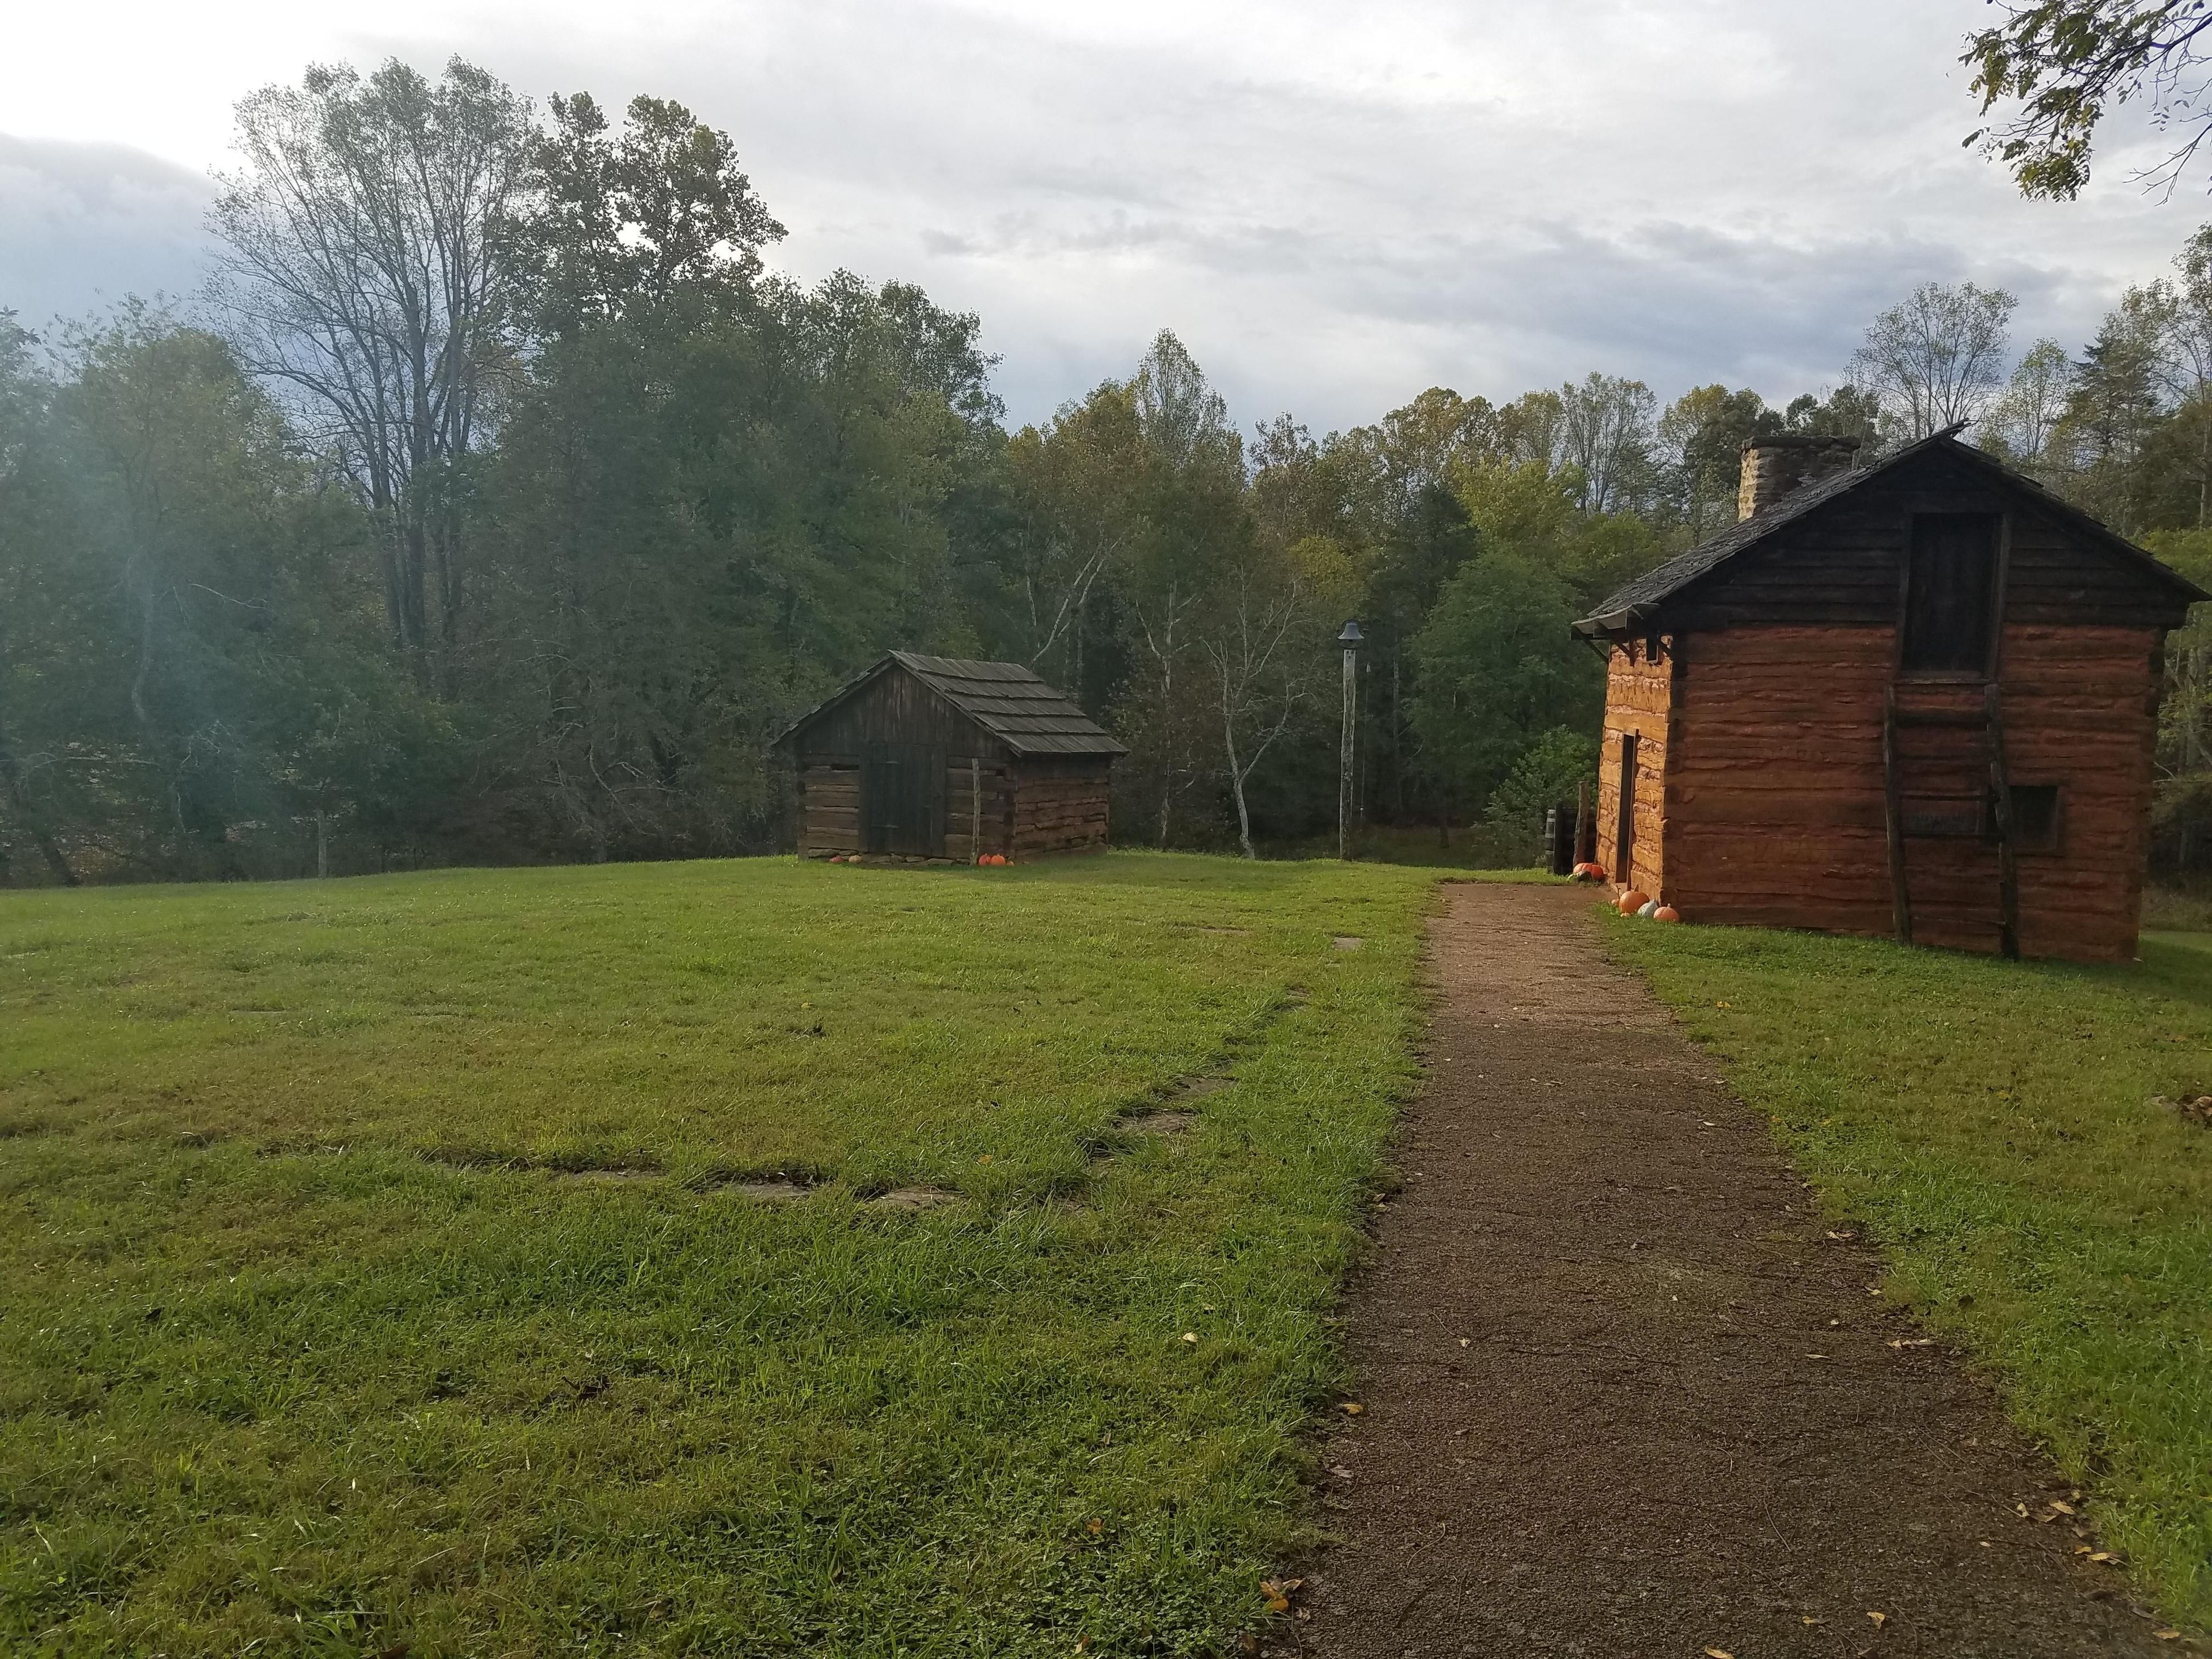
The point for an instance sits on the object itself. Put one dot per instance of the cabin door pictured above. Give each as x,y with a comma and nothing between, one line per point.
1624,833
903,800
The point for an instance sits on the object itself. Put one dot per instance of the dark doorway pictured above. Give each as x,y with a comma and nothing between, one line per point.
1624,834
902,800
1950,594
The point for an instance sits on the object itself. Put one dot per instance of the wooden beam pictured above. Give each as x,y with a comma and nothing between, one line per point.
1893,801
2001,791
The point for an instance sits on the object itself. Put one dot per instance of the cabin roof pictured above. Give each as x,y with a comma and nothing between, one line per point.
1005,698
1635,603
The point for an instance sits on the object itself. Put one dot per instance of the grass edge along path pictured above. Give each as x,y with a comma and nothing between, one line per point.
372,1273
1994,1128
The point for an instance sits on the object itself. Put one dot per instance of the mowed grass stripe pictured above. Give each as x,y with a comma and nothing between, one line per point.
1996,1126
307,1340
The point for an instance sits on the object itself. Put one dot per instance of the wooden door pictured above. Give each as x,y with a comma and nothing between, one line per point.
1624,833
903,800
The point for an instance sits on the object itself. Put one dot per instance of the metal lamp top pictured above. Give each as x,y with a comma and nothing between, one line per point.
1351,637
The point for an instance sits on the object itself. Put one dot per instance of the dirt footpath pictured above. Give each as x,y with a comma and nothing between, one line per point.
1624,1394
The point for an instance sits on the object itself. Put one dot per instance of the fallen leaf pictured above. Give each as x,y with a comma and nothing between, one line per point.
2168,1635
1094,1526
1913,1342
2102,1555
1880,1619
1190,1336
2063,1507
1809,1619
1466,1342
1718,1653
1352,1408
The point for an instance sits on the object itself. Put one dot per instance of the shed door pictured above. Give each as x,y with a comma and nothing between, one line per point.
903,800
1623,836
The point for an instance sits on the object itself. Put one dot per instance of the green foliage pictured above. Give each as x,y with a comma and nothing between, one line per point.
375,1270
2060,64
1499,667
1550,773
1996,1129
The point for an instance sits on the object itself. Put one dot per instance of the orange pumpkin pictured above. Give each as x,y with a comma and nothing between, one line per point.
1666,912
1633,900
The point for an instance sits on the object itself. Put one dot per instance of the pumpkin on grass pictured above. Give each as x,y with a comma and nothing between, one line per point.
1633,900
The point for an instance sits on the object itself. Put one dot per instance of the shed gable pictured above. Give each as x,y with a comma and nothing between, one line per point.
1834,554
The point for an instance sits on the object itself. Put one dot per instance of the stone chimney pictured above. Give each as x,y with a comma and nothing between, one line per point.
1772,467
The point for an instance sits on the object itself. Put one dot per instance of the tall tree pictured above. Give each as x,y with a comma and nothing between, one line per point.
2022,420
363,267
1937,358
1196,520
1606,435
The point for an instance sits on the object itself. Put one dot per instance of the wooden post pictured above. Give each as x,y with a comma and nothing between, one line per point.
1585,825
1344,756
975,809
1893,804
2001,797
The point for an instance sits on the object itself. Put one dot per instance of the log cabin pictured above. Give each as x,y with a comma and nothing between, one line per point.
1916,699
943,759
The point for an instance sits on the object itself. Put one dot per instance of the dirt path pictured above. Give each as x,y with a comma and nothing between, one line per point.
1623,1394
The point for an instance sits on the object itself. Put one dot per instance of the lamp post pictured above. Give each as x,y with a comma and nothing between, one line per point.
1350,641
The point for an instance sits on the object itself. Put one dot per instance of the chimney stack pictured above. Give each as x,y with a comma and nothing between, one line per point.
1772,467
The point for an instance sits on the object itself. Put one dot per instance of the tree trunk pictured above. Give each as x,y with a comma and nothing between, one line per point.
1236,772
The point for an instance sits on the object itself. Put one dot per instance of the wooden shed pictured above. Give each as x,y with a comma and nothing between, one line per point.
945,758
1918,698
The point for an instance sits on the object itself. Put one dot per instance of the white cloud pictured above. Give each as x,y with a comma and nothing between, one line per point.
84,225
1334,206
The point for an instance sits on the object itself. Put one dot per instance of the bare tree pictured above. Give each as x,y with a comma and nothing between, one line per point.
1938,358
1251,645
1606,432
363,269
2022,419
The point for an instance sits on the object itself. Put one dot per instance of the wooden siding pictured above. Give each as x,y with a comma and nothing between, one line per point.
1030,806
1639,701
894,707
1775,784
1060,806
1843,563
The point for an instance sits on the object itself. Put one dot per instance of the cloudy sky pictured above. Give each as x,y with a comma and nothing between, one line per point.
1334,206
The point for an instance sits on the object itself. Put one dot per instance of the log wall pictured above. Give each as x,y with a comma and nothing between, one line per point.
1638,700
1031,806
1773,811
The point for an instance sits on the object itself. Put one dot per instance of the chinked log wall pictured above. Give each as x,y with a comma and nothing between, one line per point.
1639,702
1773,811
1029,808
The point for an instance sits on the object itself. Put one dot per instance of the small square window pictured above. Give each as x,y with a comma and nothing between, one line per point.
2034,817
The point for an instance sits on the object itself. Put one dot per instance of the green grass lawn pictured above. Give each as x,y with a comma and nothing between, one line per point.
375,1270
1993,1125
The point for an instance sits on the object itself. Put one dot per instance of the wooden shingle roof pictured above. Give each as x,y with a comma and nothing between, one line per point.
1005,698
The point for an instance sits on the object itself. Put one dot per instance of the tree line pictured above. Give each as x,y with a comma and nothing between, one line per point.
500,501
